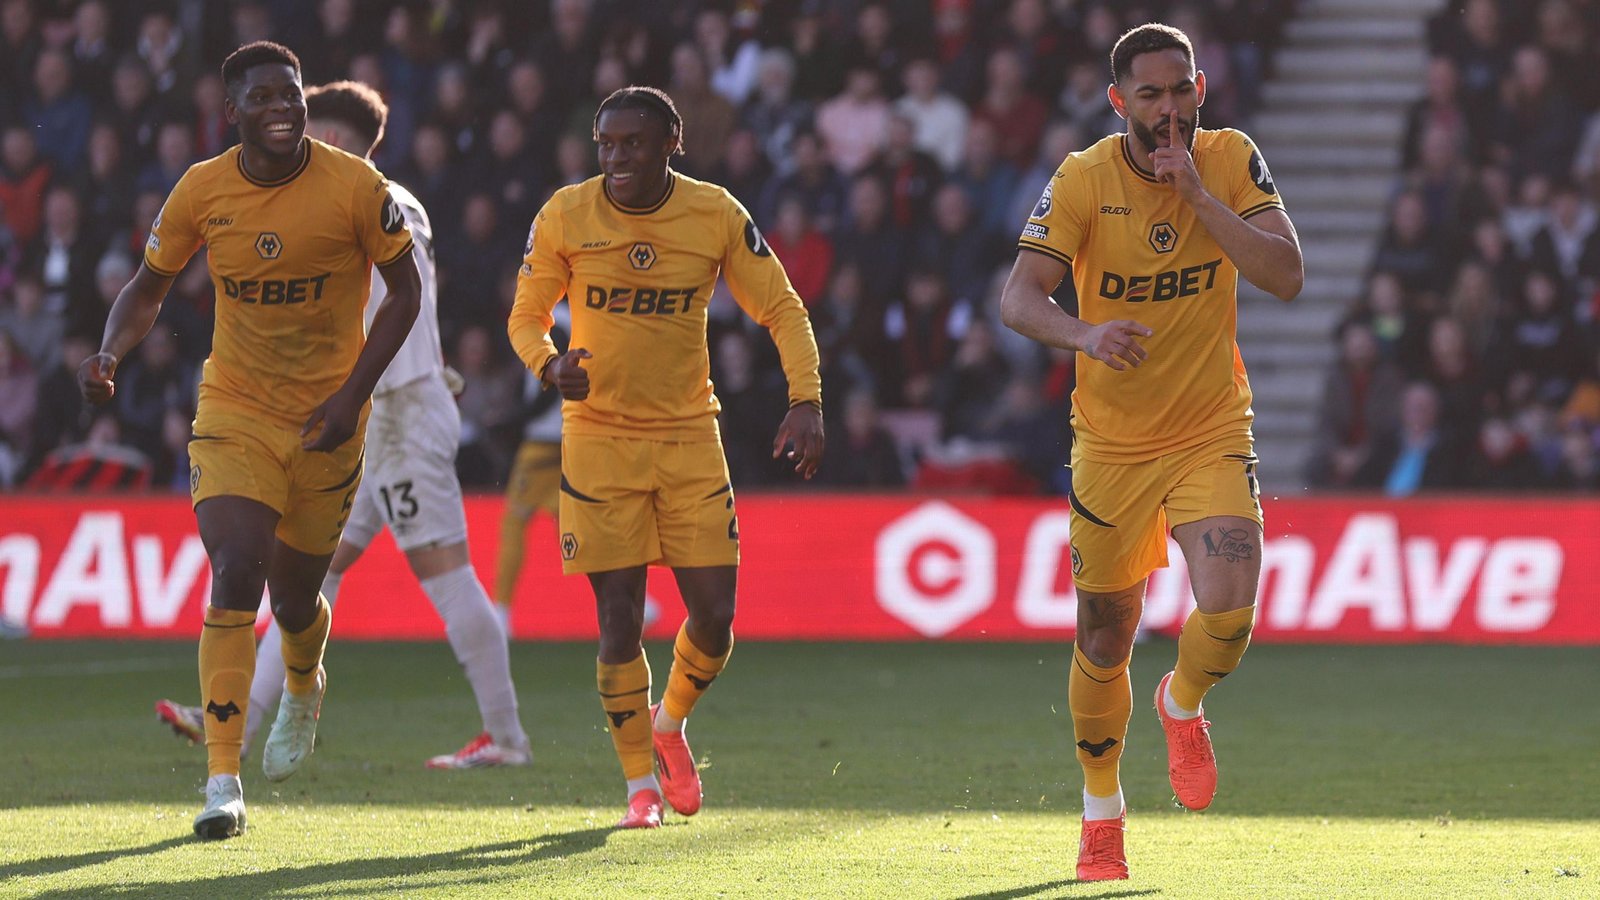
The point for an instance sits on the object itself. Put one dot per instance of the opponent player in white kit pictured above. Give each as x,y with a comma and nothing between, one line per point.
410,485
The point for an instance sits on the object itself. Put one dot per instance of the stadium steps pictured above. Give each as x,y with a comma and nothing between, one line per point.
1330,127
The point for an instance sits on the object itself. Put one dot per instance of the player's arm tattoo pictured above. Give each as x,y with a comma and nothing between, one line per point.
1231,544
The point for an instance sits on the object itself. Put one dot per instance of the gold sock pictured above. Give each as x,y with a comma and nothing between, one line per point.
1208,649
625,696
692,672
302,650
513,530
1102,703
227,663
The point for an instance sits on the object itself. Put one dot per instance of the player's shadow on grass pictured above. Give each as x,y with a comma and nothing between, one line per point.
1037,890
52,865
476,863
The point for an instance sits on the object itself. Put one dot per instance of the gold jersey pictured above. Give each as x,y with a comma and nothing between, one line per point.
291,263
637,282
1138,252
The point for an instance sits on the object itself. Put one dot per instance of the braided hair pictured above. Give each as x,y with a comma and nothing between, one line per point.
652,101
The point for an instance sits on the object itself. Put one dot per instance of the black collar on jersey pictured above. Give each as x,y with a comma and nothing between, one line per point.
305,160
672,182
1127,156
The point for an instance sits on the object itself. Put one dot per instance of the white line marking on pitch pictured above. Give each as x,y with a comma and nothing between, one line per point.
99,667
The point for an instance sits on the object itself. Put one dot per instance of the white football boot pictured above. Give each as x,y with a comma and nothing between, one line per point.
223,816
294,733
482,752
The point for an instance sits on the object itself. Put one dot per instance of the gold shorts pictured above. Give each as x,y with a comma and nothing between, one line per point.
535,482
633,501
1122,512
239,454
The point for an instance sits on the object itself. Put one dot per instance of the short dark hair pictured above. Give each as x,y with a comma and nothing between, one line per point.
1147,38
254,54
351,103
651,100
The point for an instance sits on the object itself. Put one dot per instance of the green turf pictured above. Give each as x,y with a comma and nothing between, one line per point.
915,770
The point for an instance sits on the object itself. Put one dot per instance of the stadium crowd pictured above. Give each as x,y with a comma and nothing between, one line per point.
1472,358
889,150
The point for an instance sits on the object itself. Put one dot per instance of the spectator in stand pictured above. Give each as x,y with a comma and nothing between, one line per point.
105,183
946,241
91,46
1401,334
432,175
65,256
939,120
566,50
923,331
1018,117
161,48
873,42
61,417
1409,251
967,389
849,329
1438,109
20,44
1359,408
818,60
329,40
911,175
23,176
1421,454
134,110
212,133
751,396
1578,468
1534,129
1540,338
732,60
154,381
174,152
870,457
34,330
19,396
810,179
527,98
472,259
744,170
1455,375
507,172
489,404
1083,101
59,113
1475,304
1473,41
772,112
1061,138
871,242
807,253
708,118
100,463
988,179
854,125
170,470
1569,243
1503,459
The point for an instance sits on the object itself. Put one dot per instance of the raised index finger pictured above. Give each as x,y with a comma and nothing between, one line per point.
1172,128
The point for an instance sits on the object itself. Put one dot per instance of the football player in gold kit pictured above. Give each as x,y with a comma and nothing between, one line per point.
637,251
292,228
1155,226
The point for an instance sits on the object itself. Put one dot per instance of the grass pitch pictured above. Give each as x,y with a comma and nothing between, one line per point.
835,770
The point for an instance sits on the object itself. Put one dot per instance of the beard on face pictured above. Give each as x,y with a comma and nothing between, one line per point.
1148,136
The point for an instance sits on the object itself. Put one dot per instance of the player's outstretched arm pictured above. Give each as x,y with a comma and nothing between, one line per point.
340,414
132,315
1027,308
801,428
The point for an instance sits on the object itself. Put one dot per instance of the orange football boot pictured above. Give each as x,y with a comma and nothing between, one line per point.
1191,764
644,810
1100,853
680,780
